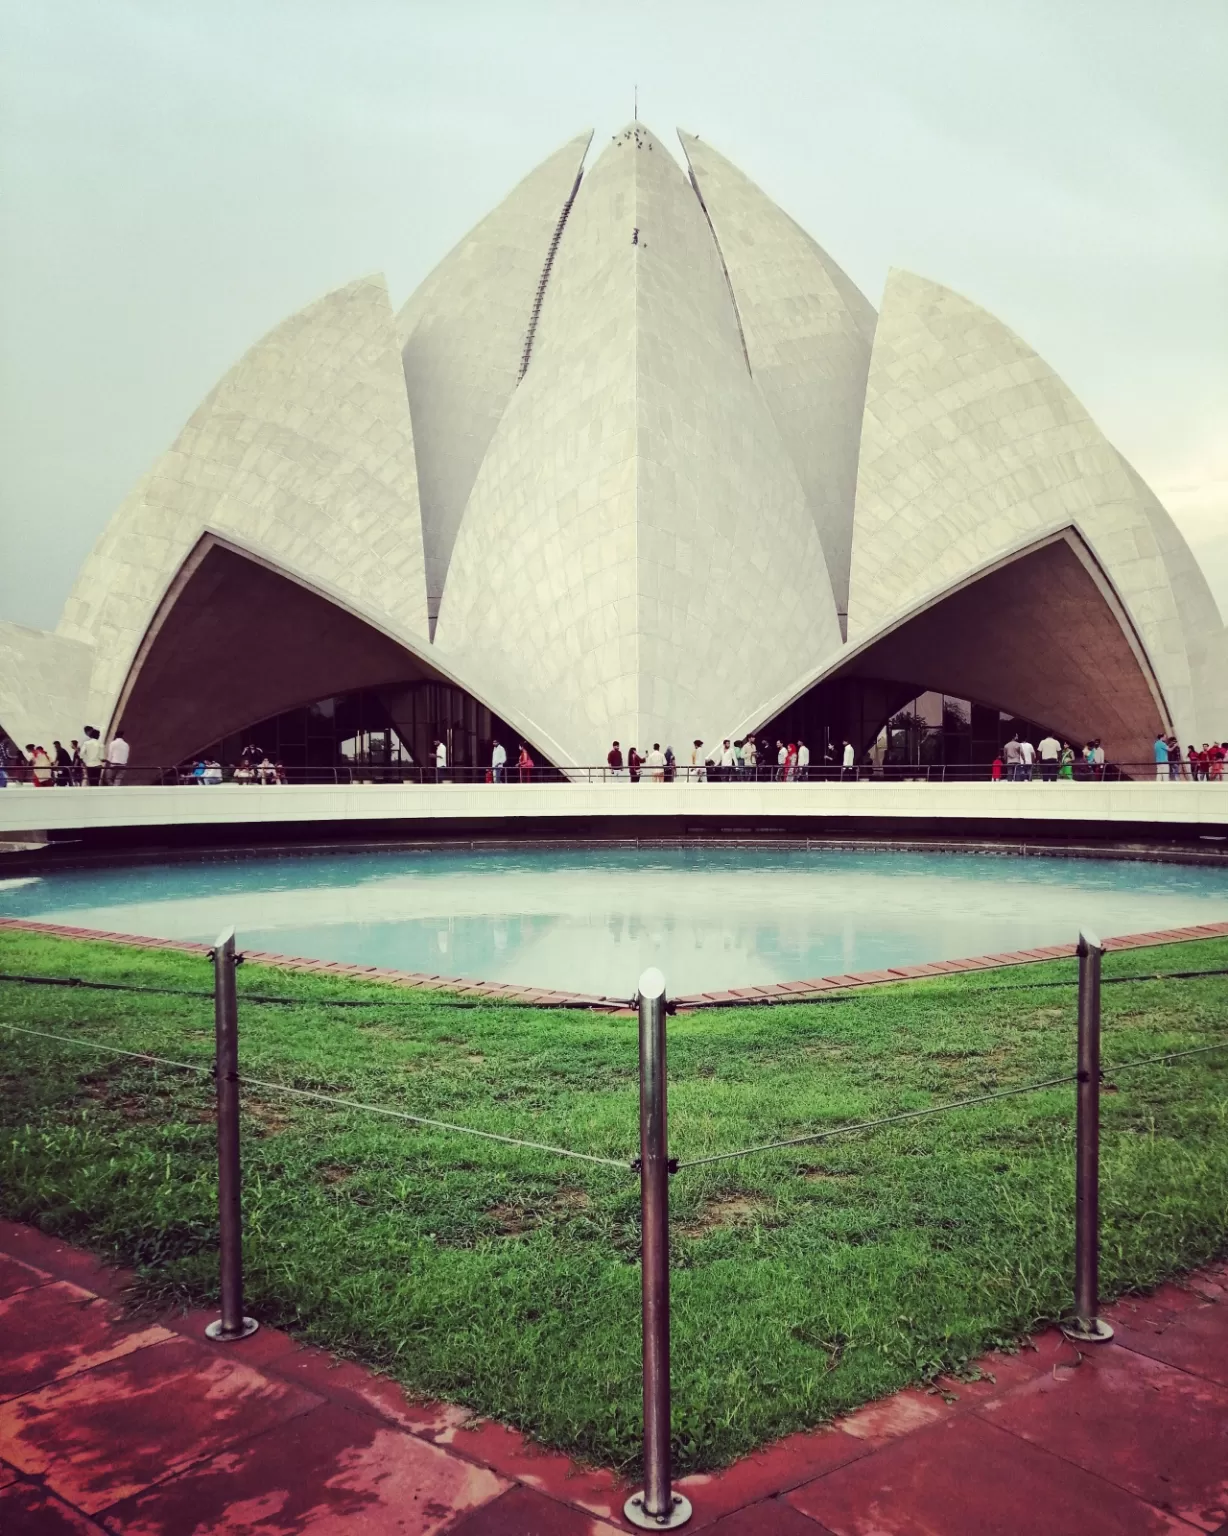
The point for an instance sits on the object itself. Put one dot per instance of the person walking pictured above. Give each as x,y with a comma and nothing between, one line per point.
728,762
498,763
697,760
1066,766
41,774
1012,758
63,764
671,765
92,756
1174,758
634,763
803,761
1027,760
655,763
525,764
117,759
848,762
750,757
614,762
1049,750
1161,756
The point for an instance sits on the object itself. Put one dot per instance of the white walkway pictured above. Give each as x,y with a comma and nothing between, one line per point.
24,809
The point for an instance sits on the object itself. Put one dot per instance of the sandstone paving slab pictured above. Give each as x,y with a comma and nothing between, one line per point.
517,1458
773,1517
29,1510
1195,1340
522,1511
364,1477
785,1464
1158,1432
354,1386
16,1276
965,1477
59,1329
106,1433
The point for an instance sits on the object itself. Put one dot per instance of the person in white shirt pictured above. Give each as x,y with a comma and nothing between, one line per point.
1027,756
848,769
803,760
1050,750
117,759
750,756
655,763
441,762
498,762
92,756
728,762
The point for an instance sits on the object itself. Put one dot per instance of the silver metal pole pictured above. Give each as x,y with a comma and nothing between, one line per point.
656,1507
232,1324
1087,1327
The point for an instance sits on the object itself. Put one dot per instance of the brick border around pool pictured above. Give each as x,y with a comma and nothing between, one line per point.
543,997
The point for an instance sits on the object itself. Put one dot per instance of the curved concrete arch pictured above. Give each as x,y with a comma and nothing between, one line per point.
1040,632
808,331
462,336
240,636
305,447
637,556
971,445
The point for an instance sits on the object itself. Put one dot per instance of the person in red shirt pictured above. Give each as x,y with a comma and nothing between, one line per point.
614,759
525,763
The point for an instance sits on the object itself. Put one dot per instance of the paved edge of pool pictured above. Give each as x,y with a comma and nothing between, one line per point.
544,997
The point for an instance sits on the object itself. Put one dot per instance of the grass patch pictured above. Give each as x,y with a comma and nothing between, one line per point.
805,1281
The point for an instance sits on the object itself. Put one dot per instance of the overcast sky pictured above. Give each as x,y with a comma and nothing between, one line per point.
177,177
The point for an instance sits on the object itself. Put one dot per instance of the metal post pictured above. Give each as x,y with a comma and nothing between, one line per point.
657,1507
1087,1327
232,1324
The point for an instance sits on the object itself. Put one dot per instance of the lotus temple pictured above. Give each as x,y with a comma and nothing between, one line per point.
637,460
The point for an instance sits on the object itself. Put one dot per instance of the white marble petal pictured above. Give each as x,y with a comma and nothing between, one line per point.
305,448
463,334
807,329
637,559
44,684
972,448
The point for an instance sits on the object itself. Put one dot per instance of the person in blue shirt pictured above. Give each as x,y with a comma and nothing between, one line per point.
1161,754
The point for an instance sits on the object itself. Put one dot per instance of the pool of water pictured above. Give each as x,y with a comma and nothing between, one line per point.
590,921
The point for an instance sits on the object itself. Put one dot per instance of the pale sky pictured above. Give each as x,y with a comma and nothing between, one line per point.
176,176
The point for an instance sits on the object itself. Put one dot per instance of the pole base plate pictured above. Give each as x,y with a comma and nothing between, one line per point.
1094,1332
634,1511
217,1333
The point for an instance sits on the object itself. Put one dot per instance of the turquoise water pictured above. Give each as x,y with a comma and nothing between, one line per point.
591,920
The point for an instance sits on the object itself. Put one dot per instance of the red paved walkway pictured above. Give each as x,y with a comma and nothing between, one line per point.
113,1425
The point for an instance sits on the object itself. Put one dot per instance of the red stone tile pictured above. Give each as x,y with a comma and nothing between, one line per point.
786,1464
16,1276
28,1510
890,1417
967,1478
1195,1340
61,1260
107,1433
771,1518
522,1512
60,1329
258,1349
513,1456
356,1387
1002,1373
1158,1432
364,1477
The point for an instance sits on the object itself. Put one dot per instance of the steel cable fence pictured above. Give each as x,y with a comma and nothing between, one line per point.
658,1505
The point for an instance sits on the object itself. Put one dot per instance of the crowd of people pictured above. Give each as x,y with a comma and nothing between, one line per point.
92,762
731,762
82,763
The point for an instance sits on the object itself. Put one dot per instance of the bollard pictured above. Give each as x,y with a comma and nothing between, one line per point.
657,1507
232,1324
1087,1327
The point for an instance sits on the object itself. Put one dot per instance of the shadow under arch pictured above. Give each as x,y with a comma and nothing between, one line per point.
237,640
1041,636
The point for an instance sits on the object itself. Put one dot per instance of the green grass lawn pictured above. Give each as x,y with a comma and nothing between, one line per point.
804,1282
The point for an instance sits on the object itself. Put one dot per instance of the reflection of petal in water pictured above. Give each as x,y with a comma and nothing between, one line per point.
710,918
